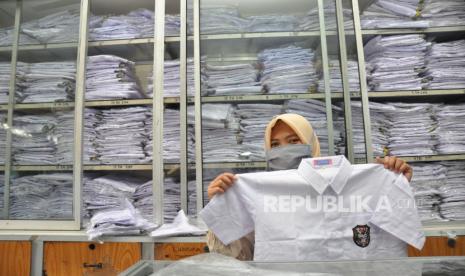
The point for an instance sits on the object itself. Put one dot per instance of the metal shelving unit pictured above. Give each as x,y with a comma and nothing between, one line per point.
156,46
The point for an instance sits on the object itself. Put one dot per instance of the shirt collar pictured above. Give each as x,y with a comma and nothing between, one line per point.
319,183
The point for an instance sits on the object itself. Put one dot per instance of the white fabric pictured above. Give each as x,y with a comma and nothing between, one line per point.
302,235
180,226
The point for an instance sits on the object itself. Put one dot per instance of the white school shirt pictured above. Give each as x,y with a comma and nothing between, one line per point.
288,230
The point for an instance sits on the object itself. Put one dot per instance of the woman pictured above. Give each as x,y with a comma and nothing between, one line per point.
288,139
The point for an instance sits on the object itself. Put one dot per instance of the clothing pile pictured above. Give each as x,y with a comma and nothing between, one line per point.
392,14
172,24
444,13
288,69
103,192
136,24
3,118
172,82
111,77
171,136
124,220
91,121
219,123
4,81
445,62
412,130
396,62
63,136
33,142
254,119
272,23
451,128
336,77
427,179
42,196
121,135
311,22
231,79
172,199
45,82
380,126
315,112
60,26
217,18
2,184
452,205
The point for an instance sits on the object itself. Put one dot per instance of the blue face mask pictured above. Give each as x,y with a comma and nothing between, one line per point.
287,157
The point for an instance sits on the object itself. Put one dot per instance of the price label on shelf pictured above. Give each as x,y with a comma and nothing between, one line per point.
63,167
419,92
119,102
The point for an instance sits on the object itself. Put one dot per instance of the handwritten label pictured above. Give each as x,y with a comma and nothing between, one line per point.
419,92
119,102
64,167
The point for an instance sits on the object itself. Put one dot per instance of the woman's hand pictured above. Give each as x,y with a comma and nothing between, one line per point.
220,184
396,165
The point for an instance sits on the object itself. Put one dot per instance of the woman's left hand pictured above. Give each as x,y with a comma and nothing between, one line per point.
396,165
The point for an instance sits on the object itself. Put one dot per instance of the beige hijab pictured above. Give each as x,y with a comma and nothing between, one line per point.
301,127
243,248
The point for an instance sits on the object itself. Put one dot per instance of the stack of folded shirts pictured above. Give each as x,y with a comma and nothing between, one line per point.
392,14
7,36
218,18
254,118
63,136
444,13
445,62
172,82
311,22
171,136
272,23
42,196
231,79
123,220
396,62
2,137
46,82
412,129
2,183
121,135
172,24
111,77
136,24
288,69
4,81
380,126
315,112
219,123
172,199
33,142
91,119
60,26
453,192
426,181
451,128
336,77
107,191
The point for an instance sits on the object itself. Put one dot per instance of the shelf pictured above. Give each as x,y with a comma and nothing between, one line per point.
80,236
261,35
414,31
442,229
425,158
234,165
99,103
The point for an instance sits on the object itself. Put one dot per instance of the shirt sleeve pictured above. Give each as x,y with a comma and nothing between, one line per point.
230,215
396,213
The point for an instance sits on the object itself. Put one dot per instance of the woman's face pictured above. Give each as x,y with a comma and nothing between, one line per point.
282,135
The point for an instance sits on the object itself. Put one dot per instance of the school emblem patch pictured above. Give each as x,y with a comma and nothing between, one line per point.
361,235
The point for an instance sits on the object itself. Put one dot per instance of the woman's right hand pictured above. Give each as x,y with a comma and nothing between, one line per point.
220,184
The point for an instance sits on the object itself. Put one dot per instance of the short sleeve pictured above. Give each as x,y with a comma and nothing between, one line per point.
230,215
396,213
